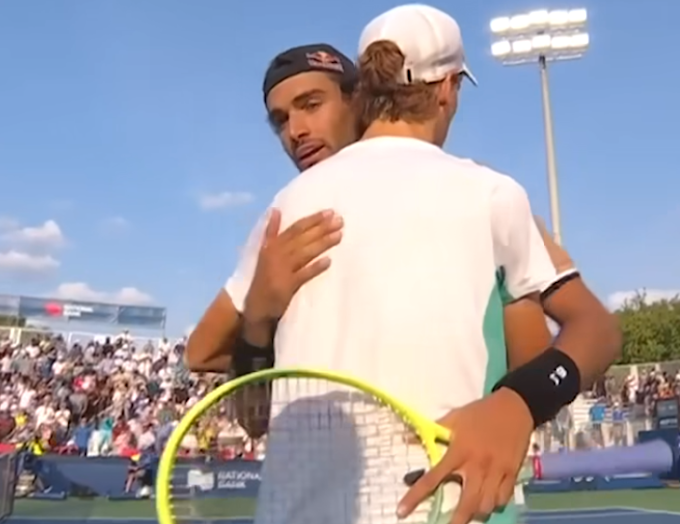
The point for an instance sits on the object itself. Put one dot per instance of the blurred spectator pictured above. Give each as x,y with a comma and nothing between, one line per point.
597,415
619,436
108,396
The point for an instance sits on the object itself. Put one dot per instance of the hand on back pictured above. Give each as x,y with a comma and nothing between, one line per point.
288,260
490,438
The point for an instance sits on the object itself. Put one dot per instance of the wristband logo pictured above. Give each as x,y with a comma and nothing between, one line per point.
558,375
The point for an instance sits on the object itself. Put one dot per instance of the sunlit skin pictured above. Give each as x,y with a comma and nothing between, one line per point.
312,117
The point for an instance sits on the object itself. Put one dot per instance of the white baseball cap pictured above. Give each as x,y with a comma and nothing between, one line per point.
429,38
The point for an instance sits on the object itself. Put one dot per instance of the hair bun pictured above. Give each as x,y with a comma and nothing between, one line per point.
381,66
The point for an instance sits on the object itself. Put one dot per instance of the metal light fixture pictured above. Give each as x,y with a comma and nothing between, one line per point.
540,37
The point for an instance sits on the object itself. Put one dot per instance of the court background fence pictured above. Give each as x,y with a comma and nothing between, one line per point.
8,476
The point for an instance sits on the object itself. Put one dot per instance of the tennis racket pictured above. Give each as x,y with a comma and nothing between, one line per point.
338,451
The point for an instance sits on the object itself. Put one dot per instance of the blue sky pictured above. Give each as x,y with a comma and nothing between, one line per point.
134,153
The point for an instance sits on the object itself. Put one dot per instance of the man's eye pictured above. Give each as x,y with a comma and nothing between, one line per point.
312,104
278,122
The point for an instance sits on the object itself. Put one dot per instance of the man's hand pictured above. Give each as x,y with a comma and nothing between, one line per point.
285,263
490,441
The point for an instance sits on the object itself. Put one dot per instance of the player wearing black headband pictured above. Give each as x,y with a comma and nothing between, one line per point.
308,92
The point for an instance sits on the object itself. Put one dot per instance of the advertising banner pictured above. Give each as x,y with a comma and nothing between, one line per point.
55,309
46,308
235,478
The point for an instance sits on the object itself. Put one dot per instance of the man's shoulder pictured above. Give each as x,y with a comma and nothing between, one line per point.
318,180
481,172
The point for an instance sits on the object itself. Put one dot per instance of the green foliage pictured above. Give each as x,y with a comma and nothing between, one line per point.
651,330
12,321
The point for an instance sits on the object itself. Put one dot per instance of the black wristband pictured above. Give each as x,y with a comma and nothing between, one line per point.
546,384
247,358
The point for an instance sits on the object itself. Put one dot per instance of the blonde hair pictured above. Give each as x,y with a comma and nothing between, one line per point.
381,93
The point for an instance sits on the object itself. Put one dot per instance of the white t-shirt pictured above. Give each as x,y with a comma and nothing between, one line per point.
433,246
43,415
146,439
63,416
94,444
26,398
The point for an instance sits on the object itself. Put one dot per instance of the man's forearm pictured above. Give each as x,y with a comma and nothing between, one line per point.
593,343
589,333
254,351
205,353
210,345
259,333
588,343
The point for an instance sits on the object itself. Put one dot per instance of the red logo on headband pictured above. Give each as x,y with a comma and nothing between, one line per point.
324,60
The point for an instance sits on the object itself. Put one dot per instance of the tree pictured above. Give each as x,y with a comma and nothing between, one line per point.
651,330
12,321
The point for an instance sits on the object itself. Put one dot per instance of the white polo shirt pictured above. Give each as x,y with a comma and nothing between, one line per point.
413,301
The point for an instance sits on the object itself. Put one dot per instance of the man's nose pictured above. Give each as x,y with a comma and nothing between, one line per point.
298,126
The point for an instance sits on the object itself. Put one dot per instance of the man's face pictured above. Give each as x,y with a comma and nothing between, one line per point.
312,117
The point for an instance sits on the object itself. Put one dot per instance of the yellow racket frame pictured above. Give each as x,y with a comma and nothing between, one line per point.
429,433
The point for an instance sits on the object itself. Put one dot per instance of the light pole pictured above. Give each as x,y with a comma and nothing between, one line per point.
539,37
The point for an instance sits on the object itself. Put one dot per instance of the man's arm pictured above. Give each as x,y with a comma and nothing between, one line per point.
526,332
209,348
589,334
272,267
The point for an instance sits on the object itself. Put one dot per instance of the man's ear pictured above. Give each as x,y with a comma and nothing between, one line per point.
447,88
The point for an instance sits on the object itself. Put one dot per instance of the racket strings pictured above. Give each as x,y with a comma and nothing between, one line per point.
333,455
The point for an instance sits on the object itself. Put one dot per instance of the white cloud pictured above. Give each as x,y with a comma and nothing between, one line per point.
117,223
46,236
616,300
211,202
82,291
17,262
8,224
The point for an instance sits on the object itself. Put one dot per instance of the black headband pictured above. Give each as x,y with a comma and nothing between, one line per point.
303,59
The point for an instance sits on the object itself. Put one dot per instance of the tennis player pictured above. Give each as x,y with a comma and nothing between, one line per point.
308,92
412,302
483,222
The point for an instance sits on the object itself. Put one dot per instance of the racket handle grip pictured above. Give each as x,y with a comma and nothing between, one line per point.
414,476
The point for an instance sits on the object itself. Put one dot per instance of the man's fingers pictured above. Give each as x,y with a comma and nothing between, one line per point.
314,238
426,486
506,491
305,254
489,495
449,420
468,505
311,271
304,224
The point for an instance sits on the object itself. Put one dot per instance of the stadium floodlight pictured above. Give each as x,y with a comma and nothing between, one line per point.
551,35
540,37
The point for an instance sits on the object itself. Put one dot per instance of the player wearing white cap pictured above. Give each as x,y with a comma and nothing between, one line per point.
431,243
411,66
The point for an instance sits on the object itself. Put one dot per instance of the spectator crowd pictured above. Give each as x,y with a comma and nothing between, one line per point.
642,389
616,409
118,397
109,397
